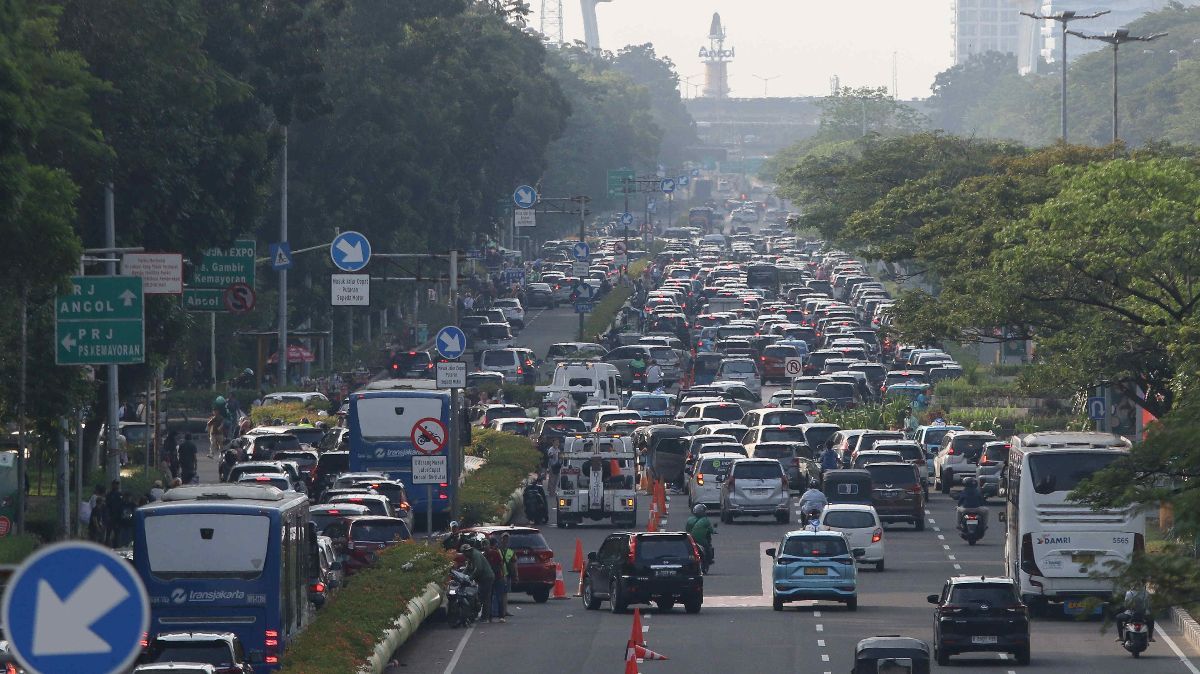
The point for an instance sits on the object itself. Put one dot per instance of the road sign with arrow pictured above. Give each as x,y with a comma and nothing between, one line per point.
451,342
350,251
525,197
100,322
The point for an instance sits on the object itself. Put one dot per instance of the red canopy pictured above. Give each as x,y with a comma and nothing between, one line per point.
295,354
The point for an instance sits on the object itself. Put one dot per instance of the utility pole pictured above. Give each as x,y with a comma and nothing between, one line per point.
582,201
765,81
1063,18
113,454
283,275
22,467
1116,38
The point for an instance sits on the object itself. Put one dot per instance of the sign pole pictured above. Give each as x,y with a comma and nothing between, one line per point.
113,457
283,275
582,238
212,348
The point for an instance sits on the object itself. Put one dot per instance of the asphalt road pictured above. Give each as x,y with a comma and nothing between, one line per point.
738,632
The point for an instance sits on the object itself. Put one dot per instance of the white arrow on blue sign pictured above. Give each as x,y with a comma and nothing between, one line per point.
1095,406
525,196
451,342
581,251
75,608
667,185
695,173
627,219
350,251
684,180
281,256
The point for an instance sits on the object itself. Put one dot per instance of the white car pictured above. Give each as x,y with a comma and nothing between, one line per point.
513,311
741,370
861,525
704,484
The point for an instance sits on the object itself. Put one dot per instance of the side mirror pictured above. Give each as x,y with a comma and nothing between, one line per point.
770,552
336,566
1001,516
932,599
591,556
859,552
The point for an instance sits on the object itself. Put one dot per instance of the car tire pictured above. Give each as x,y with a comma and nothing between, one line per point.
946,481
693,604
879,565
665,604
616,600
777,603
590,602
784,517
852,604
541,595
1022,656
919,523
942,657
726,516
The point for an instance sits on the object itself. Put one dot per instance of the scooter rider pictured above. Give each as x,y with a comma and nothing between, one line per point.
637,368
701,529
1137,604
830,460
812,502
971,497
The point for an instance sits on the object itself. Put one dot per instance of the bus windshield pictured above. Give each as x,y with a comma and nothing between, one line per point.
208,545
1063,471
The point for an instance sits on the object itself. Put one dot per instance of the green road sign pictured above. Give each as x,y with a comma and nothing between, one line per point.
617,181
100,322
203,299
223,267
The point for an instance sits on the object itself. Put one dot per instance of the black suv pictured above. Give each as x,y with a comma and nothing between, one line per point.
637,568
979,613
897,494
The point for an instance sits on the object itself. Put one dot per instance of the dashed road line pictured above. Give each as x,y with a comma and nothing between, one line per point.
821,643
820,627
958,566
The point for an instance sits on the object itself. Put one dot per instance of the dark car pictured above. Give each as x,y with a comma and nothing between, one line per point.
223,650
364,537
535,559
325,514
305,460
411,365
897,494
979,613
637,568
329,466
991,463
545,429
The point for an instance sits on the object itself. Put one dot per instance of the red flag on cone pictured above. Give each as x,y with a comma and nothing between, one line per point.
560,588
643,653
635,636
577,565
631,665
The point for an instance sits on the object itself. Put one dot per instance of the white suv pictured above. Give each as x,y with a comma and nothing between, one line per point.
860,523
958,457
513,311
756,487
704,484
743,370
517,365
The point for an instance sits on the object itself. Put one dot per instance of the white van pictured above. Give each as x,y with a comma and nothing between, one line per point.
588,383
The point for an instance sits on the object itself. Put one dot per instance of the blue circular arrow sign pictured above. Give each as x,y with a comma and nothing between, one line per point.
75,608
667,185
581,251
525,197
627,218
350,251
451,342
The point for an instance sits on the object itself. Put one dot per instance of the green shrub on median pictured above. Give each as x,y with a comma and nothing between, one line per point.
15,548
604,312
345,632
485,492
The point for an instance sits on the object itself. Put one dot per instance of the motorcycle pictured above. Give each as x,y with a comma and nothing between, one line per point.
639,380
1134,633
972,523
462,600
536,509
708,556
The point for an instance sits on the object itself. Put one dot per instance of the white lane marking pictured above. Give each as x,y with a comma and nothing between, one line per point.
821,643
937,529
765,566
951,557
941,537
958,566
750,601
458,650
1182,658
946,547
820,627
824,657
816,614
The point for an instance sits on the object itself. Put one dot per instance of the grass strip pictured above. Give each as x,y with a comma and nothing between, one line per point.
485,492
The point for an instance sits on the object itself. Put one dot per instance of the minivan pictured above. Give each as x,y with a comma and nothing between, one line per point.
756,487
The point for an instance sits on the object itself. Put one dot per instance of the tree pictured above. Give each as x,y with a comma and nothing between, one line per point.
960,89
657,74
850,113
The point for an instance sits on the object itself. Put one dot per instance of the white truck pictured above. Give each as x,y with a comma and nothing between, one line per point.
598,481
586,382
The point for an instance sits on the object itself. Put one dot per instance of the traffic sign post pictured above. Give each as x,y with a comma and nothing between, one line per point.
793,367
161,273
101,322
618,182
583,307
525,197
525,217
451,375
429,436
684,180
281,256
350,290
219,269
1096,408
451,342
667,185
75,608
239,298
581,251
350,251
429,470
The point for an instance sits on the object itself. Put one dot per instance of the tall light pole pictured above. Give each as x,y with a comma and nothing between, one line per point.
765,81
1063,18
1116,38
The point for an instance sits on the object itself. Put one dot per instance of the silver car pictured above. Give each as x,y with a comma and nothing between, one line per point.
755,487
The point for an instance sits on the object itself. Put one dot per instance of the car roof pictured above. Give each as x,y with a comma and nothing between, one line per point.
953,580
194,636
863,507
805,533
322,507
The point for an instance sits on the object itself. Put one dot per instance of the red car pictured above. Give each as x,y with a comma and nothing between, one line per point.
773,359
535,559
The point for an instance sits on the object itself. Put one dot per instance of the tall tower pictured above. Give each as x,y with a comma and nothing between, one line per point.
591,30
716,61
552,21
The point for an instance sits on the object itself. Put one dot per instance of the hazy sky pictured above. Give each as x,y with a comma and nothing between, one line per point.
803,42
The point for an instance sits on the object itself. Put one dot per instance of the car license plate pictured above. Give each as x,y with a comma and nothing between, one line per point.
664,572
758,492
816,571
1083,558
984,640
525,560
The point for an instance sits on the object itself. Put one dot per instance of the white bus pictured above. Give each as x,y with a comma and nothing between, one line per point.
1053,545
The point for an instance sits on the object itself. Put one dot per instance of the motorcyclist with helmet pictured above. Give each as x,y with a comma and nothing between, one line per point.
701,529
971,501
812,502
971,497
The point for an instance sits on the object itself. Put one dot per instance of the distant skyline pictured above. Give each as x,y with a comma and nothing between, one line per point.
801,44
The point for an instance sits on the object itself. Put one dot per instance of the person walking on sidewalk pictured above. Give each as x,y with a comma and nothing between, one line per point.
187,459
216,433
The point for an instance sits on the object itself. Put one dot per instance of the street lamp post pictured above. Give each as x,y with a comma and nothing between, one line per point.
1116,38
765,81
1063,18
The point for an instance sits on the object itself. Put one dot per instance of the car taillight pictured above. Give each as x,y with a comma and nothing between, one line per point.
520,370
318,587
914,489
395,366
700,479
544,555
632,548
145,640
877,535
950,451
271,642
442,496
429,366
972,517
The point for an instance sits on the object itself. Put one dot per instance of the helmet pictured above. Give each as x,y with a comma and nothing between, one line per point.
968,482
699,510
322,425
453,524
465,547
248,372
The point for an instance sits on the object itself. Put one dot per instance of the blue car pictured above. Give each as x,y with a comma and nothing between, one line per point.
814,565
652,406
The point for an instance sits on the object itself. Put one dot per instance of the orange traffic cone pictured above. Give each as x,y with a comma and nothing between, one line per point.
643,653
635,637
652,520
577,565
560,587
631,665
660,497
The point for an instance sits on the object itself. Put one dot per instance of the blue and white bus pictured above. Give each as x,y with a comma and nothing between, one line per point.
381,420
228,558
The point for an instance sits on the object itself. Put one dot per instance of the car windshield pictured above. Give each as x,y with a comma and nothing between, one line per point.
491,331
380,532
1051,471
209,652
781,435
788,418
757,471
737,367
817,437
892,475
868,440
498,359
815,546
527,539
724,412
648,404
992,594
323,519
933,436
773,452
970,447
848,519
661,548
565,426
835,390
715,466
996,453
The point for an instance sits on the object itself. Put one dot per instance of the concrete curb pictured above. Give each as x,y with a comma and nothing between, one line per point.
406,625
1187,626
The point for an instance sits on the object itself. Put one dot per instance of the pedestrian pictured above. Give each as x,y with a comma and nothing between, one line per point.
481,572
216,433
509,557
114,506
97,531
187,459
654,375
554,461
496,561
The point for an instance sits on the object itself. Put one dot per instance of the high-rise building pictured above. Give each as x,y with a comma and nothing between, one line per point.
1121,14
985,25
716,61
